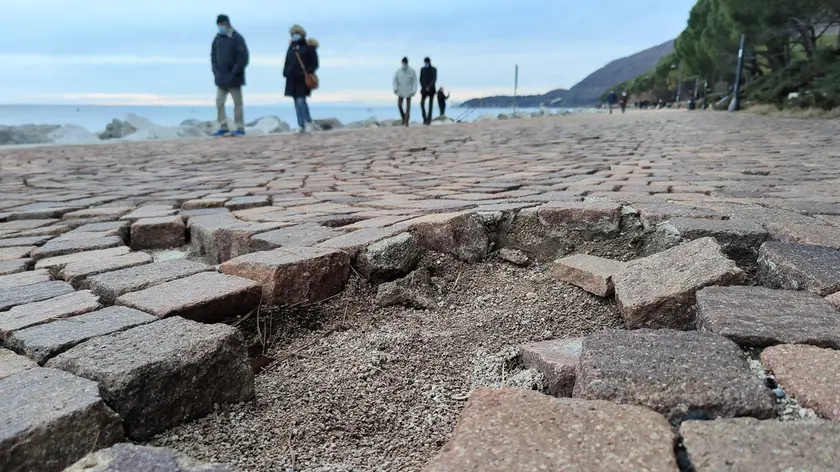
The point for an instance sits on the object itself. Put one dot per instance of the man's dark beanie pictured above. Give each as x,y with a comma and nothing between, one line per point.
222,19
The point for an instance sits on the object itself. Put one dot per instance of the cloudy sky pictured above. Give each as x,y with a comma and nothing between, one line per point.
157,51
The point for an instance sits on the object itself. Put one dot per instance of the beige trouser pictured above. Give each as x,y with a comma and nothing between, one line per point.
238,114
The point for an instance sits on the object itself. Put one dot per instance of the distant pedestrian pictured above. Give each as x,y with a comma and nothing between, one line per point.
299,71
623,102
442,98
611,100
428,77
229,58
405,87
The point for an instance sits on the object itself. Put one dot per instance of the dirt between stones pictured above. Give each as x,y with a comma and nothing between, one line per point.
362,388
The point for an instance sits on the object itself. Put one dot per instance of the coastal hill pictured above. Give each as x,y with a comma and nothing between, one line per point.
589,90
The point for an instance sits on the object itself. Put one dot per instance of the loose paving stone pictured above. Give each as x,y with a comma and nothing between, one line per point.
658,291
293,275
42,342
14,296
51,419
307,234
206,296
590,220
111,285
740,239
388,259
131,457
14,266
110,228
150,211
24,278
673,372
514,256
32,314
834,299
27,241
799,267
557,361
56,264
244,203
158,233
156,385
77,273
111,213
591,273
461,234
749,444
12,363
808,373
354,241
70,246
221,237
518,430
413,291
651,213
13,253
760,317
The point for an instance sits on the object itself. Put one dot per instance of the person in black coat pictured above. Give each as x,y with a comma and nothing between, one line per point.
428,77
301,59
442,98
229,58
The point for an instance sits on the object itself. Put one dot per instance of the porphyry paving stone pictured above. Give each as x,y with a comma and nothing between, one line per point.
24,278
740,239
18,252
808,373
110,285
206,296
70,246
659,291
158,233
519,430
591,219
14,296
388,259
31,314
557,361
799,267
747,444
131,457
672,372
221,237
150,211
307,234
761,317
43,342
110,228
77,273
292,275
12,363
178,377
55,264
591,273
51,419
26,241
14,266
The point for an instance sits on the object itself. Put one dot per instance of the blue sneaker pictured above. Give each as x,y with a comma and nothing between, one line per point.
221,132
239,132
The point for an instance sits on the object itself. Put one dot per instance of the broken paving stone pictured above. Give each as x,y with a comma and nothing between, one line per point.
834,299
354,241
293,275
749,444
32,314
177,378
158,233
590,220
809,374
414,291
206,296
659,291
557,361
591,273
760,317
17,252
77,273
27,241
56,264
45,341
244,203
793,266
111,285
740,239
461,234
12,363
69,246
14,266
520,430
51,419
652,213
131,457
307,234
672,372
514,256
388,259
24,278
14,296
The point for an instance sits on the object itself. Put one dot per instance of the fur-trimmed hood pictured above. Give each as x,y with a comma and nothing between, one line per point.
313,42
297,29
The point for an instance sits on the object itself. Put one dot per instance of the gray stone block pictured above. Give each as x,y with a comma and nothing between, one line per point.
14,296
111,285
125,457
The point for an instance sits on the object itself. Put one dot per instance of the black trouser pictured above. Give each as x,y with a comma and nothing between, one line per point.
442,106
424,94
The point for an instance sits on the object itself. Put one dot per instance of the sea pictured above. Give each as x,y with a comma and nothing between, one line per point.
95,117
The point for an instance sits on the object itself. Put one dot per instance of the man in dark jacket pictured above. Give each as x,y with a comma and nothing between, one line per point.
428,77
229,57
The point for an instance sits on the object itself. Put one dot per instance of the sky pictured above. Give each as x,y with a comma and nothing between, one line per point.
157,52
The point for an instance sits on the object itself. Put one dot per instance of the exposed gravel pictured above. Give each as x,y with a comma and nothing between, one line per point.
361,388
787,408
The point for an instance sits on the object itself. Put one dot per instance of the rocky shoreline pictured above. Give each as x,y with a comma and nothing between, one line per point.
138,128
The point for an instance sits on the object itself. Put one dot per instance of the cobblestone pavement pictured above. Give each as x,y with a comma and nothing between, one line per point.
105,247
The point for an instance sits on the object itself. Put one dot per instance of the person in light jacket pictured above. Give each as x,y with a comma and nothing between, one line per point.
301,51
405,86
